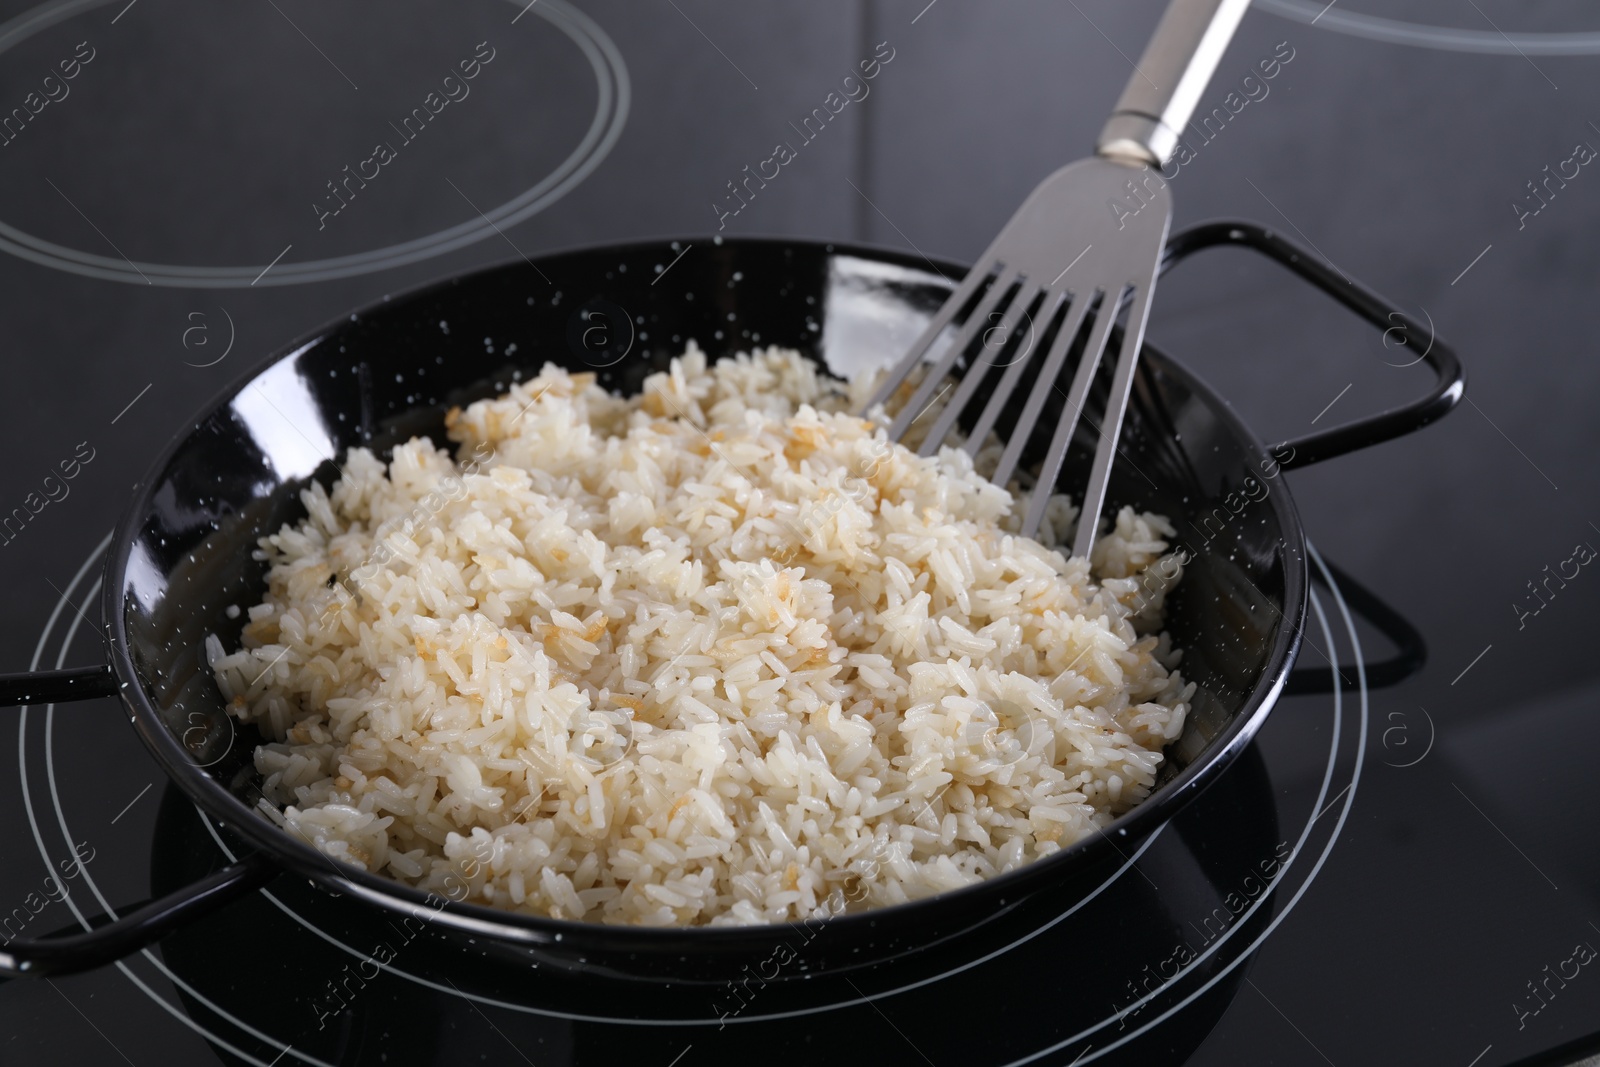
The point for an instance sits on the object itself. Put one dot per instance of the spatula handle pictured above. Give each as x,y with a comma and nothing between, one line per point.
1167,82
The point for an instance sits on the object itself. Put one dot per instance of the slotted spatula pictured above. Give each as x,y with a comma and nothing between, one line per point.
1084,244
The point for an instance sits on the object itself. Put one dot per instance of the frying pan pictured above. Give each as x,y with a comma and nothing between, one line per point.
182,554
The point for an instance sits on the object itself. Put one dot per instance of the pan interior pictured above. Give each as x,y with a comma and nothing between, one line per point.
383,376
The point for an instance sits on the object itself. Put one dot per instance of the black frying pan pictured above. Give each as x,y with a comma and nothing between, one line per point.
182,553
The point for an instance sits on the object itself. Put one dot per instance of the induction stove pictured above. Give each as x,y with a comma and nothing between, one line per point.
1399,873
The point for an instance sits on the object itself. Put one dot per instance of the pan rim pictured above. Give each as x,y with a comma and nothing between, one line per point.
297,857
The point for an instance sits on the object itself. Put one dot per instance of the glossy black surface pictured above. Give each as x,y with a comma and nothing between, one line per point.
385,374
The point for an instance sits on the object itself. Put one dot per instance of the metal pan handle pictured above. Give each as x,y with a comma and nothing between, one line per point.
73,950
1450,381
50,687
1410,651
68,952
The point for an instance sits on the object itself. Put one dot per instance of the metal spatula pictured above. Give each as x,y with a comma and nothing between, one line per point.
1086,243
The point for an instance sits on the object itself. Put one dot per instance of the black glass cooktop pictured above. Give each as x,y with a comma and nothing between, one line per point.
1399,874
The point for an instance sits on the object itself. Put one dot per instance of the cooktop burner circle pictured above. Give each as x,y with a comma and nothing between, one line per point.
1170,996
1443,38
613,94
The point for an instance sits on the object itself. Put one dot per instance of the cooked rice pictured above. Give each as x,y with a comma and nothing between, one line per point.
718,653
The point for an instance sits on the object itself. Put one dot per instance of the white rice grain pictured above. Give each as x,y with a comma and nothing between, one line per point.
718,653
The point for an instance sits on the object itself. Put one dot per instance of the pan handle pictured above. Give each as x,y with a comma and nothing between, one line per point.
50,687
1410,652
1398,328
66,952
